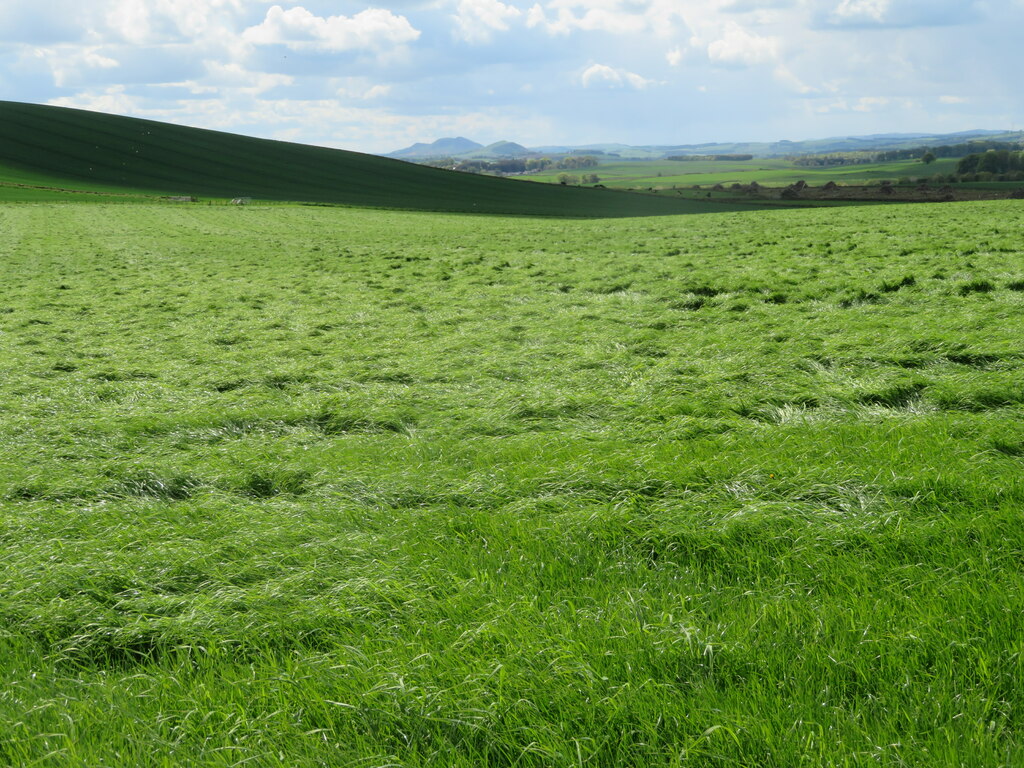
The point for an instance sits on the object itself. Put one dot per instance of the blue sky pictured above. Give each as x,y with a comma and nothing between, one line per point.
378,77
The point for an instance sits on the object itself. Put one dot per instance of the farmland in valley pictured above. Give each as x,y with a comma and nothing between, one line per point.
285,485
766,171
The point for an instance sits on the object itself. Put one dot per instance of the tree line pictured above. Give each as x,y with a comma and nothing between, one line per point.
944,151
927,155
994,161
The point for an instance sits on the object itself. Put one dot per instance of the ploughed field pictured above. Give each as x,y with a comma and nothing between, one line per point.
313,486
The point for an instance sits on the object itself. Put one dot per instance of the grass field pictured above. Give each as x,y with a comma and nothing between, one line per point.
315,486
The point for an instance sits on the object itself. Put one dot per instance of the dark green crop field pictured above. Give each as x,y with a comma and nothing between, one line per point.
69,149
324,487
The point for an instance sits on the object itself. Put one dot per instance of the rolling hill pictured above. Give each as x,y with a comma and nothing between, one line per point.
56,147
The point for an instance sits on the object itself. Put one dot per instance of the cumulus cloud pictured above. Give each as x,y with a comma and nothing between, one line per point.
155,21
897,13
866,104
69,65
747,6
601,75
871,103
477,20
111,99
297,28
237,77
560,17
861,10
360,88
737,46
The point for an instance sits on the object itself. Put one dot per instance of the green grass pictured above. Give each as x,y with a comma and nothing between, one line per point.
66,149
313,486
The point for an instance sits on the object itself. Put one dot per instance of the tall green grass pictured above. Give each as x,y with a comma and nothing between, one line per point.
308,486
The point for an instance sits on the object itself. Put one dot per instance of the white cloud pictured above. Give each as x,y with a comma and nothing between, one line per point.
477,20
361,89
900,13
787,77
954,99
111,99
752,6
601,75
871,103
152,21
68,64
866,104
862,10
234,76
738,46
297,28
674,57
623,17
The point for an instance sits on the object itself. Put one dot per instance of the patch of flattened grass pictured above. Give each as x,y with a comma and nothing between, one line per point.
333,422
691,304
891,286
266,483
165,486
976,286
981,398
896,395
1008,447
973,359
854,297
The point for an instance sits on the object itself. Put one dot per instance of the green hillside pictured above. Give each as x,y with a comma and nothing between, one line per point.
74,149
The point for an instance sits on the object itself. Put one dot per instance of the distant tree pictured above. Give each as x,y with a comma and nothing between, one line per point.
992,161
576,162
928,158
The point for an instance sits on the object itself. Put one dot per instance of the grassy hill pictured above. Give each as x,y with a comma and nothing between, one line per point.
45,146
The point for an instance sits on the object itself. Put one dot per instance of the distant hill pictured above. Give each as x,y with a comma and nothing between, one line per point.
69,149
461,148
507,149
497,150
439,148
874,142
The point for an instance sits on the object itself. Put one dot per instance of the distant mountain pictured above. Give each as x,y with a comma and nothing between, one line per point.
874,142
441,148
